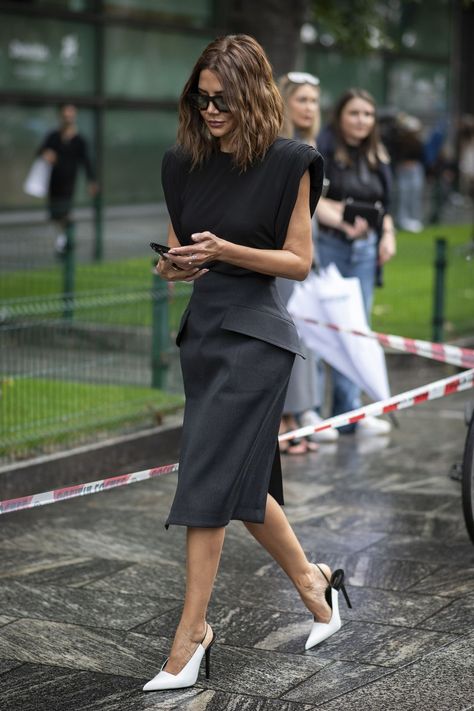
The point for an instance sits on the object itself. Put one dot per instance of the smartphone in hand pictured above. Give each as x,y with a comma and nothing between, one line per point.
160,248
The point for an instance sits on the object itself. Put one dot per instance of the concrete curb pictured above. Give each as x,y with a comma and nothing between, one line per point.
120,455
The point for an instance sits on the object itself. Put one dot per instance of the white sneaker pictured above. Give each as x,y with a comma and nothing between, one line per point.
373,426
410,225
310,418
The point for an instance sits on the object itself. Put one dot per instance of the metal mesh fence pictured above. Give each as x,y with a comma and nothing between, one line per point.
85,347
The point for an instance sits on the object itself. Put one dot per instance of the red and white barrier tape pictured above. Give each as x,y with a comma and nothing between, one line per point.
462,357
432,391
437,389
92,487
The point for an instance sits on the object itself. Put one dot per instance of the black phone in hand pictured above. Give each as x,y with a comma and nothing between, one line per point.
160,248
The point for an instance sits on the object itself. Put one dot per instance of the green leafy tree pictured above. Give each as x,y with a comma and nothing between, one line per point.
355,25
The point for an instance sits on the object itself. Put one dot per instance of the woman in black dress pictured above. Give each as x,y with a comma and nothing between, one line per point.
240,201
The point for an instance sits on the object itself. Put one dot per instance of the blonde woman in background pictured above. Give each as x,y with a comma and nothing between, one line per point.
300,93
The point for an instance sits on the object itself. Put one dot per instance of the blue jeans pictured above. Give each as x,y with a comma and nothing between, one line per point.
410,187
357,258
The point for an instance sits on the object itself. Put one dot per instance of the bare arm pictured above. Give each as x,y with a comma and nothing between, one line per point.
293,261
387,244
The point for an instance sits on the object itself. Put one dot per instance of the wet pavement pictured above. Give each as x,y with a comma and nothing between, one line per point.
91,589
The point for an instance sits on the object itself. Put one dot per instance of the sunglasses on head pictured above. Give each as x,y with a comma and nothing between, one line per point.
303,78
202,101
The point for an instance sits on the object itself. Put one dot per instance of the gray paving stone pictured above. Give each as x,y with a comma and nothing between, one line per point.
8,664
335,680
458,617
99,567
218,701
240,670
367,571
449,581
321,541
423,523
409,548
70,571
80,606
382,645
237,670
245,625
442,680
399,608
395,608
41,688
165,581
83,648
194,699
115,544
160,579
403,501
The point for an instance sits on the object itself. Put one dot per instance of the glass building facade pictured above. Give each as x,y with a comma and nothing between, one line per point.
124,62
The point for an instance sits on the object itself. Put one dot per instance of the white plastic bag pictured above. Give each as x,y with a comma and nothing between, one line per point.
37,180
330,298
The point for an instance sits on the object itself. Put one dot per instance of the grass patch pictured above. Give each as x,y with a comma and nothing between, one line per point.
404,306
36,413
113,293
39,411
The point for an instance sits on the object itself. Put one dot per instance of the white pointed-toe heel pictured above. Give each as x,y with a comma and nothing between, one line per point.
188,674
322,630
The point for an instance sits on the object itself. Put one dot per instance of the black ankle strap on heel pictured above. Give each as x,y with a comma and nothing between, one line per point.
323,573
337,582
337,579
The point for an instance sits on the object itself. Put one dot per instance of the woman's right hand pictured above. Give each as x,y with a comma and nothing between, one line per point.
168,271
50,156
330,214
358,230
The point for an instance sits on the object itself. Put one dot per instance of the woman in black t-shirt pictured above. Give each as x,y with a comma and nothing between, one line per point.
356,166
240,202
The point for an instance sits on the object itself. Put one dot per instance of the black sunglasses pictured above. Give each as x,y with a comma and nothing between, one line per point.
202,101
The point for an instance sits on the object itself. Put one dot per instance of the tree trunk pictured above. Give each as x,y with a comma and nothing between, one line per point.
275,24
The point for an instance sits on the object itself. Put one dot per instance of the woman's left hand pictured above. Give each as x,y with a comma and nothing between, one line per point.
206,248
387,246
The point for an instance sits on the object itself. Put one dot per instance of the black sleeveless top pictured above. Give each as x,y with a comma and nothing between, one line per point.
358,181
251,208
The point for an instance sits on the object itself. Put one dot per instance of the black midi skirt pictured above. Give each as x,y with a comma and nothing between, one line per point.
237,347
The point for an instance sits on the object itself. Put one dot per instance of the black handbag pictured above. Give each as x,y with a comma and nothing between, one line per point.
372,212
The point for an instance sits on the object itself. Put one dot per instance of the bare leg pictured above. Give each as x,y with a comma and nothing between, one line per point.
297,446
279,539
203,551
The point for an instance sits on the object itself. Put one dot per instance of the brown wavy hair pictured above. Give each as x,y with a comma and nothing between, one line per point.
250,93
372,146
